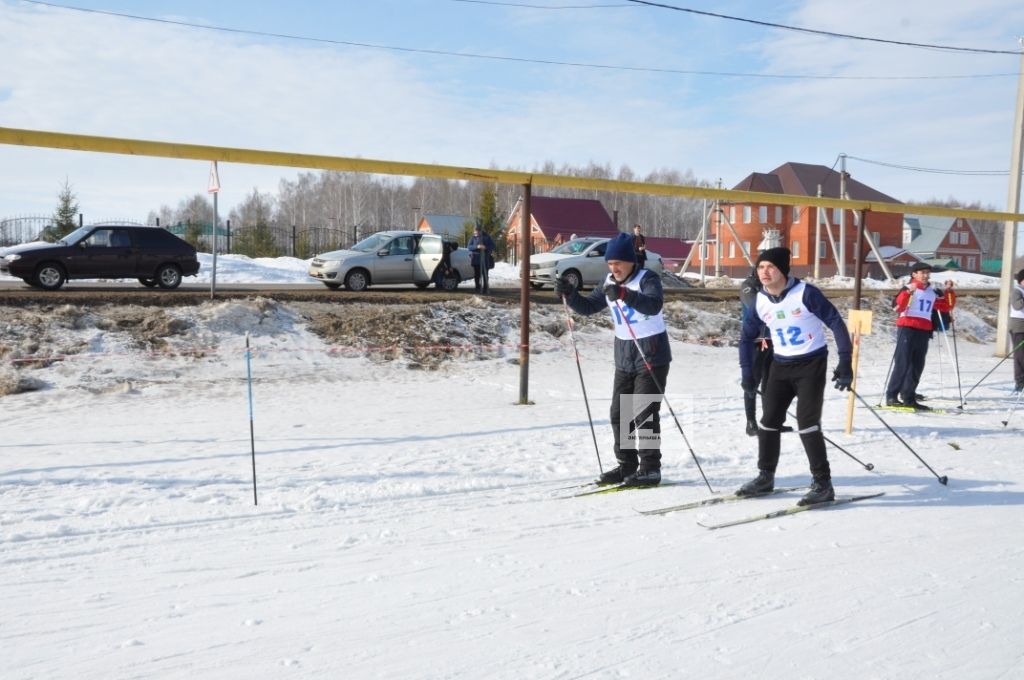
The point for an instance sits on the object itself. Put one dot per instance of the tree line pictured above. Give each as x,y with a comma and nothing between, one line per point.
319,211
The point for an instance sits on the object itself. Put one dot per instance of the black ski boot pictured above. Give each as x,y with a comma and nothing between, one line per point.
763,483
821,491
617,474
751,428
644,476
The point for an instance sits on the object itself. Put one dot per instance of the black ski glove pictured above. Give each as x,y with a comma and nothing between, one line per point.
842,377
563,287
613,292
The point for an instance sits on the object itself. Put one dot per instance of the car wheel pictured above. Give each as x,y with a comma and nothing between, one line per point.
422,284
573,278
50,276
357,280
168,276
450,282
536,286
148,283
333,286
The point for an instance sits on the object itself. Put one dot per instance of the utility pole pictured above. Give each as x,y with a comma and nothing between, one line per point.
842,215
1012,205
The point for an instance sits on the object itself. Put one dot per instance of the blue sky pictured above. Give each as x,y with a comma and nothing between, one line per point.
74,71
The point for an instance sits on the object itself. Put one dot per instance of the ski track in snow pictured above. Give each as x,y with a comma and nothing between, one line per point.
411,524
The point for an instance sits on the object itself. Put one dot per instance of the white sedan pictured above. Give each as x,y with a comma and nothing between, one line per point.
580,262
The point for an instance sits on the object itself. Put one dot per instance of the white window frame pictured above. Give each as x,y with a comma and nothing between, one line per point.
746,247
762,214
778,214
796,249
822,250
796,214
732,214
836,215
972,263
732,249
747,214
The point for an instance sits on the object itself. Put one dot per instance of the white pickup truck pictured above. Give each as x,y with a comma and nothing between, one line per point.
394,257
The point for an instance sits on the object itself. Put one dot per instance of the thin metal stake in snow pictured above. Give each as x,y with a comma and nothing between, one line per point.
252,437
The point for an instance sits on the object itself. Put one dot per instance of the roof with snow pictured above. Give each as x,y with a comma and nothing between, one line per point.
802,179
925,232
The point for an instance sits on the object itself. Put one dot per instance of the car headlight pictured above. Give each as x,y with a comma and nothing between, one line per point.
12,257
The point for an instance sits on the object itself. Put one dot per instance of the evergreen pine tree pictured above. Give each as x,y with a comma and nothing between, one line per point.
65,219
488,220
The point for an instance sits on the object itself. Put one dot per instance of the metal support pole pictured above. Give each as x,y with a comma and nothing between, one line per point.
524,296
1010,228
842,215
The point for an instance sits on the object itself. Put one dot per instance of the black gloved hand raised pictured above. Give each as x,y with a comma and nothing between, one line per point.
613,292
563,287
842,377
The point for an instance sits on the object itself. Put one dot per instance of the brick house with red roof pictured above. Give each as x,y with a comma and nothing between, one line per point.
760,226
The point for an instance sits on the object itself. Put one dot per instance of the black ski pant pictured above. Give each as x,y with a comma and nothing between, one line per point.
762,362
638,417
803,380
908,363
1018,358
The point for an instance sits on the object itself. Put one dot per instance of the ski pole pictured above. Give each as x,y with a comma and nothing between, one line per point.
892,361
252,437
949,352
956,359
942,480
1012,409
1009,354
579,369
866,466
661,389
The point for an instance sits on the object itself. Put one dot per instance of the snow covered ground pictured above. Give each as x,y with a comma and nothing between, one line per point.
410,522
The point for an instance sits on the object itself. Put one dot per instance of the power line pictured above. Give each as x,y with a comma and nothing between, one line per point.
521,60
938,171
827,34
529,6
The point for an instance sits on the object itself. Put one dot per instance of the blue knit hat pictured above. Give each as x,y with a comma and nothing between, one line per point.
621,248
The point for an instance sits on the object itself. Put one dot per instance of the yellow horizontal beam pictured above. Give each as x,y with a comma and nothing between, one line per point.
139,147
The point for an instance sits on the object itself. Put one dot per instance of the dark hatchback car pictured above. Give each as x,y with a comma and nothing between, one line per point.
152,255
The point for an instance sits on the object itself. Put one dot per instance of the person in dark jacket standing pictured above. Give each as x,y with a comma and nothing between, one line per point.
640,247
795,314
635,298
1017,330
481,256
915,305
762,351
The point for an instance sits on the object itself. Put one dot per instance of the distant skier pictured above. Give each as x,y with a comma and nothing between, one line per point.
635,298
915,305
795,314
